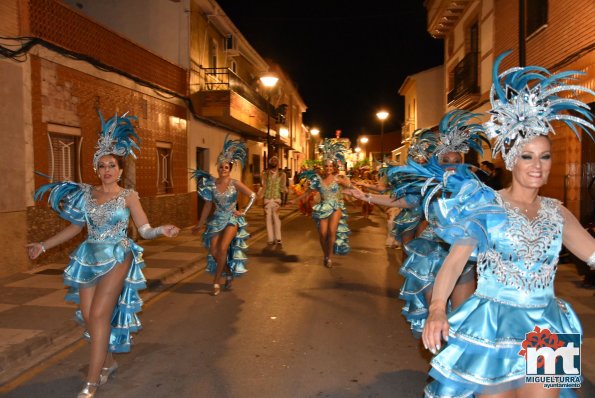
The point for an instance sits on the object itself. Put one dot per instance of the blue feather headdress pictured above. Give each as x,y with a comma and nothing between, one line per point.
333,151
233,151
423,145
117,137
458,134
524,103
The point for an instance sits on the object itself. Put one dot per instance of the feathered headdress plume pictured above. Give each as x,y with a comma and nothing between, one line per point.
458,134
233,151
524,103
117,137
333,151
423,145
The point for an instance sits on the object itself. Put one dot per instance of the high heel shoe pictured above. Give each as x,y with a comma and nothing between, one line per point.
216,289
88,390
228,282
106,373
328,263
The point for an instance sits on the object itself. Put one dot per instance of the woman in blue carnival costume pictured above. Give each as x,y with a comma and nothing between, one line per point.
104,273
423,144
517,236
330,213
457,135
225,235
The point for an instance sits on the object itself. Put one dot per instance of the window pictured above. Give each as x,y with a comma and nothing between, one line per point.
64,149
164,172
535,15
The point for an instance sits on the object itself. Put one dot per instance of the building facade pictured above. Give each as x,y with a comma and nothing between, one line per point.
556,35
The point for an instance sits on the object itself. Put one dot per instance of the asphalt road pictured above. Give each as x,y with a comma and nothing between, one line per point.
289,328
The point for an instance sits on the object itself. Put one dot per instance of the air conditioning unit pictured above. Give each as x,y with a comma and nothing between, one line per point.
231,45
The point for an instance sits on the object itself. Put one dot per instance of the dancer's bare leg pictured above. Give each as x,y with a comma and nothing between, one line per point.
222,243
323,233
332,231
97,305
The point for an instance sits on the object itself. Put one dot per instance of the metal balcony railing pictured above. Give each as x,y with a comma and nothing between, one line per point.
223,79
465,77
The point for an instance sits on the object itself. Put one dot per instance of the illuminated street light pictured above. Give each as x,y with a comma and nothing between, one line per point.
314,132
363,140
269,81
382,115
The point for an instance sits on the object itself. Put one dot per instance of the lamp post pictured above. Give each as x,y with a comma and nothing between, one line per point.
382,115
364,141
313,133
269,81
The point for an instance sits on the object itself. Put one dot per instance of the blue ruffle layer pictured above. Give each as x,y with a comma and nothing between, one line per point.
485,337
236,253
91,261
425,258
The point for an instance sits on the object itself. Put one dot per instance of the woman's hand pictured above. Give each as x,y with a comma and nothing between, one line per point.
238,213
171,231
435,330
34,250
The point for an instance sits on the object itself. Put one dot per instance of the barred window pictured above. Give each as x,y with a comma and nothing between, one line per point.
535,15
164,168
64,145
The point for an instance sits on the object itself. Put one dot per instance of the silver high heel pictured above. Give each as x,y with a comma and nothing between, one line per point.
216,289
328,263
106,373
228,282
89,390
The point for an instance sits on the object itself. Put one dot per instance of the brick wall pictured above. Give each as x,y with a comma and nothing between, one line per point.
62,95
9,18
571,28
59,24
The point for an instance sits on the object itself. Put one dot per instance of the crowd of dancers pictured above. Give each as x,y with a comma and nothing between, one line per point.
479,260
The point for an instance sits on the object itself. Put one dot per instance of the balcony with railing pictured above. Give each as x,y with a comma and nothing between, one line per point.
221,95
465,86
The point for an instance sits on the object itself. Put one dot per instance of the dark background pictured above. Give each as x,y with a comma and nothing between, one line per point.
347,60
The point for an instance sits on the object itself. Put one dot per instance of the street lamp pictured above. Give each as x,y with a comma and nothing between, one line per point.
313,134
382,115
269,81
364,140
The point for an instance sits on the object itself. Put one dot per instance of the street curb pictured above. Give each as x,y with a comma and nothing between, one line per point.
21,357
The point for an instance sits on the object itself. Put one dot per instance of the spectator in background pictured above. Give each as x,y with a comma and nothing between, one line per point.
493,179
287,182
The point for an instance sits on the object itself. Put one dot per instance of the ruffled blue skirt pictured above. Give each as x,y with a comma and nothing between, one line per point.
236,253
324,210
88,264
425,258
485,337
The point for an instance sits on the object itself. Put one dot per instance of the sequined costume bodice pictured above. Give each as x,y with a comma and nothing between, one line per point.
106,222
330,193
225,202
520,263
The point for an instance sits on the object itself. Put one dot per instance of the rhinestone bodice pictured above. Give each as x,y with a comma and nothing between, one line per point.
225,202
523,252
330,193
107,221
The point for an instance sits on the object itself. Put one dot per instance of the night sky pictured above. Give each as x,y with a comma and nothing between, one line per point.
347,60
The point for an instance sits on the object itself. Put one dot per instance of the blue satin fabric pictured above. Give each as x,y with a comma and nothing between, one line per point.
332,200
225,205
517,260
408,219
106,247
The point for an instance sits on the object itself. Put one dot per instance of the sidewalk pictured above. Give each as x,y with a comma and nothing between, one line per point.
36,322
